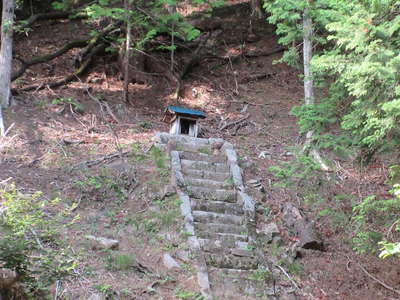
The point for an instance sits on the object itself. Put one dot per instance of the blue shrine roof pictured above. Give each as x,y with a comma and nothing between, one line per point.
185,111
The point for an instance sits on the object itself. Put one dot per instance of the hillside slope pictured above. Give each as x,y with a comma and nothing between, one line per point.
62,141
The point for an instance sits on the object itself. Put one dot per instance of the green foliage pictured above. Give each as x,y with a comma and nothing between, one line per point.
160,161
105,289
149,21
120,261
104,186
359,61
262,274
288,15
28,227
182,294
372,216
389,249
366,66
72,102
293,173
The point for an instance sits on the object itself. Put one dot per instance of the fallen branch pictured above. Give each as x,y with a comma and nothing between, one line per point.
234,122
93,47
47,58
44,16
378,280
256,77
288,276
5,180
91,163
81,70
250,54
101,104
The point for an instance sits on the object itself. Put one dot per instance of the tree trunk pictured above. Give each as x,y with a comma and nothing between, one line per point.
309,98
308,237
127,52
307,55
256,9
6,56
171,8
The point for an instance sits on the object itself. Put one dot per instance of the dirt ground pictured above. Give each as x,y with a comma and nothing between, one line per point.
51,139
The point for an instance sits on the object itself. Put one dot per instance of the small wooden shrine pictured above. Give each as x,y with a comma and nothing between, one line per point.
183,120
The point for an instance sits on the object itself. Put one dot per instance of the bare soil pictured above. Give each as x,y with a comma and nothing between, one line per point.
48,139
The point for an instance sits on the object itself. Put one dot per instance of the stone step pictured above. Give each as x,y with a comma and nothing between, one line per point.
203,165
204,174
227,184
224,237
222,273
194,147
211,194
198,156
211,217
219,228
237,284
210,245
230,261
217,207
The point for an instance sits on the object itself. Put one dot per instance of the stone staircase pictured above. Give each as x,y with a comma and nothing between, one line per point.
219,218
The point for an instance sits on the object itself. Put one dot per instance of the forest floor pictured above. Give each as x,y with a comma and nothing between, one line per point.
56,130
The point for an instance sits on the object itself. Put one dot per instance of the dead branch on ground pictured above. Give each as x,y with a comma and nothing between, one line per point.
93,47
251,54
71,77
101,105
234,122
378,280
255,77
108,157
48,57
44,16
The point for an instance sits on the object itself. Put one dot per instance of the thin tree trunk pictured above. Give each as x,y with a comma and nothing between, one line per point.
2,128
309,98
256,9
127,52
172,10
307,55
6,57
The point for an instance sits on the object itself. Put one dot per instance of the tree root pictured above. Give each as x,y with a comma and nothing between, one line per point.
235,58
71,77
194,60
93,47
47,58
45,16
95,41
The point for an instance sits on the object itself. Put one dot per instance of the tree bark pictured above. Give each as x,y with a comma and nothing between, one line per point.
308,237
7,21
307,55
127,53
